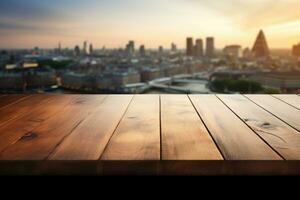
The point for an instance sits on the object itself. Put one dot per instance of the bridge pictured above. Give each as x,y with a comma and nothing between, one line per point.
165,83
188,81
176,89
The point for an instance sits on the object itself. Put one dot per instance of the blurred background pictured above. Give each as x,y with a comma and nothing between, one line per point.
150,47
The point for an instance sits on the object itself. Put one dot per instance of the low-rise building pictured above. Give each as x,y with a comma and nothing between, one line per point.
233,51
296,50
287,82
148,74
11,81
120,79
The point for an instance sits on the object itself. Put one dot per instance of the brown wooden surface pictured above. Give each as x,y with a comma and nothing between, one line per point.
89,139
234,138
184,136
138,135
6,100
50,133
281,137
149,134
24,126
21,108
293,100
278,108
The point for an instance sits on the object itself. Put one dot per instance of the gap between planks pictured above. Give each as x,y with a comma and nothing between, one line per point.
280,136
292,100
223,125
279,109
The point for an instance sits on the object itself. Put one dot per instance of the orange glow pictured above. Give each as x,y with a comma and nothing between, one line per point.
160,22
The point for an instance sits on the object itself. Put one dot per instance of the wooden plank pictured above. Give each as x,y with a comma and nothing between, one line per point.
46,137
89,139
293,100
234,138
12,131
283,111
184,136
165,168
138,134
7,100
22,108
284,139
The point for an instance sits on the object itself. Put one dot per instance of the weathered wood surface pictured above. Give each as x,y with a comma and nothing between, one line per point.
138,135
293,100
89,139
6,100
281,137
149,134
278,108
184,136
234,138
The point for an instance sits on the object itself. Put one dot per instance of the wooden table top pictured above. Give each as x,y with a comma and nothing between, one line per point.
149,134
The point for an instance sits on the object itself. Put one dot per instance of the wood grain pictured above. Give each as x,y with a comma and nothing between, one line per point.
149,135
138,134
22,108
89,139
7,100
284,139
234,138
283,111
184,136
12,131
293,100
49,134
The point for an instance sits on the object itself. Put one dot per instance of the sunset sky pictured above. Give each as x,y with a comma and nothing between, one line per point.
111,23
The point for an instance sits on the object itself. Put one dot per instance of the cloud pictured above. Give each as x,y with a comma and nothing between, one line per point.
29,9
19,17
14,27
19,30
254,14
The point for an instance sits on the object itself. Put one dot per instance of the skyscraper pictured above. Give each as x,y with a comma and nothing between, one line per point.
142,50
296,50
247,53
189,46
173,47
85,47
260,48
59,48
91,49
130,47
160,49
210,47
233,51
198,48
131,44
77,51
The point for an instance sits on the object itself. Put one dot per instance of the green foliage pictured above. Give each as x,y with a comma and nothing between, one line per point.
242,86
219,85
56,64
271,91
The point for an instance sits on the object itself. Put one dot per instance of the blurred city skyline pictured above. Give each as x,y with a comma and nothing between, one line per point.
25,24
